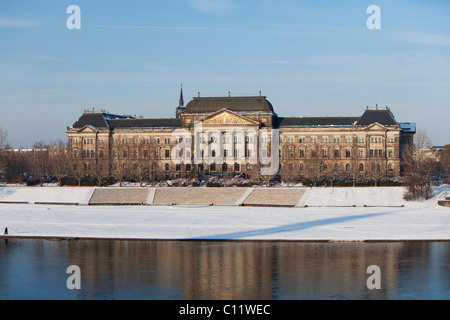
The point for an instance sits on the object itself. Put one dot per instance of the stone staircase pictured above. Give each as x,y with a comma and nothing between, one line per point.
445,203
199,196
274,197
119,196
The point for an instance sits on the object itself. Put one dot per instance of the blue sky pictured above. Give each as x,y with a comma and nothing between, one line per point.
310,58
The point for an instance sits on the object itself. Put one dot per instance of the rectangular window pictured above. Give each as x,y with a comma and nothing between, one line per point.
302,140
325,153
336,139
361,140
167,153
302,153
324,139
290,153
361,153
348,139
336,153
157,140
167,140
348,153
313,139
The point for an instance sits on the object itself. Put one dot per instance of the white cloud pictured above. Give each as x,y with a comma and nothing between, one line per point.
212,6
8,22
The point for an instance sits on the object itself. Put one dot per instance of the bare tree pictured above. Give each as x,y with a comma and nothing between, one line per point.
3,158
315,166
59,160
99,169
335,173
120,161
40,163
444,159
419,167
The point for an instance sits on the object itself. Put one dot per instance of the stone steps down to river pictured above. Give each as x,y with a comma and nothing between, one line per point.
199,196
120,196
282,197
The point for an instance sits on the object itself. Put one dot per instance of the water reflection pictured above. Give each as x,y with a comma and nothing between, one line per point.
36,269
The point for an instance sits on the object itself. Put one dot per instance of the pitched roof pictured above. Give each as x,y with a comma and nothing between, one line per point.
384,117
145,123
314,121
96,120
237,104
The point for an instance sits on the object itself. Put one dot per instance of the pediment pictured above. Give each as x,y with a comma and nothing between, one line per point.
88,129
228,117
376,126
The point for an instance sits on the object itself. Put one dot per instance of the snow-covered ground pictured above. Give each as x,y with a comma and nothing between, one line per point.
415,221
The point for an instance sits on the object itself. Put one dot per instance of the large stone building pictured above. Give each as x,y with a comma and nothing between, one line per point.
226,136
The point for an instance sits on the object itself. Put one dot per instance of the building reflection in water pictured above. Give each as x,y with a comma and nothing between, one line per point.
252,270
266,270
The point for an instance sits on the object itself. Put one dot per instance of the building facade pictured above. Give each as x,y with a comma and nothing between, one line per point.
226,136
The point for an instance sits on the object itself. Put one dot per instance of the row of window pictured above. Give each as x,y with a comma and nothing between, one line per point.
348,167
237,139
373,153
326,139
212,167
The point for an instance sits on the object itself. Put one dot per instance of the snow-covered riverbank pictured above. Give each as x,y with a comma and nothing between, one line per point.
414,221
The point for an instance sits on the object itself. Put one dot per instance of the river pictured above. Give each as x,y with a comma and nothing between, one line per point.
248,270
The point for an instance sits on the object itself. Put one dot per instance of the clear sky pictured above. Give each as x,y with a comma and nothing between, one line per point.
309,58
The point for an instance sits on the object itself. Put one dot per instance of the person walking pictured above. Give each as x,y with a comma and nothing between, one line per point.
6,231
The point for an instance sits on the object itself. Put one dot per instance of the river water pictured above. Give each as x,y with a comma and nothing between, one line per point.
248,270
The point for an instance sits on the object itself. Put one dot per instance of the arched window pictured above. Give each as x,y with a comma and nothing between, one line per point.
390,167
167,167
361,167
212,167
347,167
302,167
336,167
236,167
224,167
